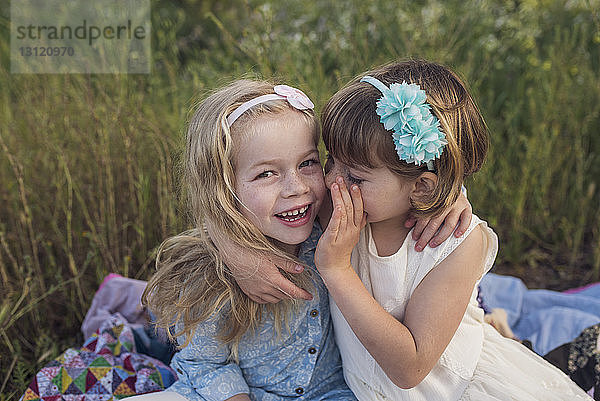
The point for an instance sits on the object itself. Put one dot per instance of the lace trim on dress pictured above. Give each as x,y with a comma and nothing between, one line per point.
456,367
453,243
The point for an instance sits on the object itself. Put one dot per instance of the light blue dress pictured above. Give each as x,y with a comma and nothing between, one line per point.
303,364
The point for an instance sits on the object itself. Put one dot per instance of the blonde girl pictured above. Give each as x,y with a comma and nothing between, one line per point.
401,139
251,168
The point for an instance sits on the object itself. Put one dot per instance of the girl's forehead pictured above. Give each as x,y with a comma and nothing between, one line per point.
286,119
283,138
286,115
283,122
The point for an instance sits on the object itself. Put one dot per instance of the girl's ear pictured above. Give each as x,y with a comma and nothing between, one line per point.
424,185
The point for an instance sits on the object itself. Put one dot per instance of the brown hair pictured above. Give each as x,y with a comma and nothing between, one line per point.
192,283
353,133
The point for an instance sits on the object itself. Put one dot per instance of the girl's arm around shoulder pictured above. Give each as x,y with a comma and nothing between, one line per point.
257,273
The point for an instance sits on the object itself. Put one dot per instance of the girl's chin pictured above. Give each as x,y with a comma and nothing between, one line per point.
289,248
291,243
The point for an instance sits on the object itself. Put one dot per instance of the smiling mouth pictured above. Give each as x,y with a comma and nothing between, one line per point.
293,215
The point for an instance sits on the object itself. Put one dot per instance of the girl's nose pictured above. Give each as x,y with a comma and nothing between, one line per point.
295,185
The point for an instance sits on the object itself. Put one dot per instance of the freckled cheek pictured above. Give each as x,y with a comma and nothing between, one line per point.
317,184
257,203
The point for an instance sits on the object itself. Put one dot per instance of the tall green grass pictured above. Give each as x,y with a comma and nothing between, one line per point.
88,163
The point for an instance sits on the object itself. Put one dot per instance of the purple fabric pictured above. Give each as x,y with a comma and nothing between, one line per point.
116,294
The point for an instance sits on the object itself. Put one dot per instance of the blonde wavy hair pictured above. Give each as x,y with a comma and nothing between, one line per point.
192,283
353,133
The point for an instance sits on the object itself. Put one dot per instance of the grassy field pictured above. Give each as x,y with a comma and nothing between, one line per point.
88,163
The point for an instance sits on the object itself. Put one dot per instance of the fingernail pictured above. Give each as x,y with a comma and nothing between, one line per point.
433,244
340,180
355,188
458,233
334,187
418,248
298,268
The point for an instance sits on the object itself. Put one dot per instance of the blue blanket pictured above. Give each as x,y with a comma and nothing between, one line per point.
546,318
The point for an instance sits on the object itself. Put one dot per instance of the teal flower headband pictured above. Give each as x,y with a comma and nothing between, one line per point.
416,131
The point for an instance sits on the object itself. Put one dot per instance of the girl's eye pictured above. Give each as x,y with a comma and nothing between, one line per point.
265,174
308,163
354,180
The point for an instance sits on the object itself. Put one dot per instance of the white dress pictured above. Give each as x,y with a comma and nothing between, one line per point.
478,363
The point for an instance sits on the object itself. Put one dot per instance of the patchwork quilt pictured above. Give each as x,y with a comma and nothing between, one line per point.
107,367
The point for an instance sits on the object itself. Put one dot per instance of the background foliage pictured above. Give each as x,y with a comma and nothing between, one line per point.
88,163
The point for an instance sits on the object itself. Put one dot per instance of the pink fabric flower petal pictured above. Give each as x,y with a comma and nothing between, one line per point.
295,97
